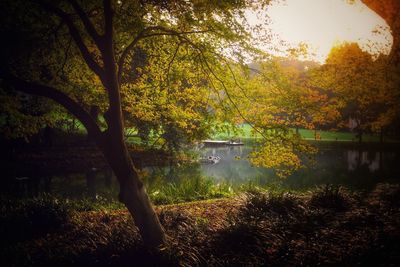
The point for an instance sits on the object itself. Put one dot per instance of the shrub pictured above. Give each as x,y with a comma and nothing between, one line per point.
330,197
24,219
241,244
259,205
386,195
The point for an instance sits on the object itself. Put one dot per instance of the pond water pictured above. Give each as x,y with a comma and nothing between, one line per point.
353,168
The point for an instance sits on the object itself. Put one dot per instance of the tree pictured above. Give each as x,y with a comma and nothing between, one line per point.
176,110
273,98
362,84
86,49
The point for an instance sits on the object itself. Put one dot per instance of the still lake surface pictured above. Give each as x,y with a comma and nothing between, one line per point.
353,168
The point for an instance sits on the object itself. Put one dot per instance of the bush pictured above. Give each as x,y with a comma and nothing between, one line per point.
386,195
259,205
25,219
330,197
241,244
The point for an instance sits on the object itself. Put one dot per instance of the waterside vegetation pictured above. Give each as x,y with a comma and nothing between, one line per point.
329,226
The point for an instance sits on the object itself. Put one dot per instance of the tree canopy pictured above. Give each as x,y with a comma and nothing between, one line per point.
117,59
175,70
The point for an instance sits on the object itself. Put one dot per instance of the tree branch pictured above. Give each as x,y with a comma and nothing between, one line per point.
229,96
108,17
86,22
93,65
58,96
125,53
141,35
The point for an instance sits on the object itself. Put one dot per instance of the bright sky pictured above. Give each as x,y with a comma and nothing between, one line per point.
323,23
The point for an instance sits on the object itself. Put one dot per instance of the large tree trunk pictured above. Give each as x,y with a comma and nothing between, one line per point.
359,135
132,192
111,143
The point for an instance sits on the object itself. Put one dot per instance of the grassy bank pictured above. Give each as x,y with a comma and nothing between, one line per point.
161,192
246,132
329,226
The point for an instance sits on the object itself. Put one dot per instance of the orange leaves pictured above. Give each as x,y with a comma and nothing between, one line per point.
363,87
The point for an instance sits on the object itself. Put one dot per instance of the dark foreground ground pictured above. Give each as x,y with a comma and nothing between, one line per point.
328,227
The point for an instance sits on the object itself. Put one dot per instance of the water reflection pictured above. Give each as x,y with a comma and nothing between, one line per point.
233,166
356,158
349,167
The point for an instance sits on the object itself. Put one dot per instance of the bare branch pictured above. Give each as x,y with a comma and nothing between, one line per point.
171,61
86,22
93,65
56,95
214,87
234,77
61,69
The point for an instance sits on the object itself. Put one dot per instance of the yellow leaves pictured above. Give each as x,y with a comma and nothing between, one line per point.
276,155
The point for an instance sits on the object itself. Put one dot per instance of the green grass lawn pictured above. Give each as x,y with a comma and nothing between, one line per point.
330,135
246,132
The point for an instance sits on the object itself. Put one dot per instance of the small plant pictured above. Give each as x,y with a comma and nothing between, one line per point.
190,190
90,204
259,205
175,219
330,197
